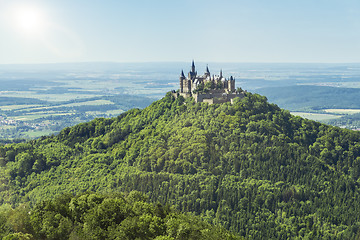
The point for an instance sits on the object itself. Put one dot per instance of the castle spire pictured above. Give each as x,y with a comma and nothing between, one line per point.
193,66
207,70
182,74
220,73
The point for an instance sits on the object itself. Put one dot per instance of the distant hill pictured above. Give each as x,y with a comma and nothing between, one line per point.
251,167
308,97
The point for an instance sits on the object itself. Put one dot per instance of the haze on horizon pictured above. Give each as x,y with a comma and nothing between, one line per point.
41,31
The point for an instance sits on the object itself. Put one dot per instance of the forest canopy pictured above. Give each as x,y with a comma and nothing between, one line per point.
250,166
94,216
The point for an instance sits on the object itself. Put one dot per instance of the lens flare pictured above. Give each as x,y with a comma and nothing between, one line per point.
29,20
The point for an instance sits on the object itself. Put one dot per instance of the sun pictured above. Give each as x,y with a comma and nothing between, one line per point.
29,20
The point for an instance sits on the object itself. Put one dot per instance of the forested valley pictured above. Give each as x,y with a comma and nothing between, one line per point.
249,167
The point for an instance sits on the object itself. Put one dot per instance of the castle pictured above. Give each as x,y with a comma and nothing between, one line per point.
207,88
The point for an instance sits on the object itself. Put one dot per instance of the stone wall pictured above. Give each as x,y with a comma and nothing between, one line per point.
217,96
214,96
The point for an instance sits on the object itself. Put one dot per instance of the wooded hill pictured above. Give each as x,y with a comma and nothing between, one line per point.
92,216
250,167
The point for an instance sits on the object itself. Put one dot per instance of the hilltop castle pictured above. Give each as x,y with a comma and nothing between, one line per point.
207,88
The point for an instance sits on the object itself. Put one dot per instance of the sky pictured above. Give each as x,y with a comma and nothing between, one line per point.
56,31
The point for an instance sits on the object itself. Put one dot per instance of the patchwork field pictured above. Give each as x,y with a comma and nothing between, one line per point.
316,116
17,107
43,99
52,98
35,133
44,107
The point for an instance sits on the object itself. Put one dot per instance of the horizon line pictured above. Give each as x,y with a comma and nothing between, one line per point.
149,62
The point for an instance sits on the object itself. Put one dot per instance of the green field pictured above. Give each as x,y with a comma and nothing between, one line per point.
36,134
48,97
17,107
92,85
34,116
89,103
110,112
77,104
342,111
4,127
316,116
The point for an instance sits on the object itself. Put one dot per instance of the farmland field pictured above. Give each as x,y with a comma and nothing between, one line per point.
17,107
316,116
41,102
49,97
43,99
342,111
36,134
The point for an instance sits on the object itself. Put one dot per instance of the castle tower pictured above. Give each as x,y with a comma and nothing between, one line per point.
192,74
231,84
182,81
226,84
188,86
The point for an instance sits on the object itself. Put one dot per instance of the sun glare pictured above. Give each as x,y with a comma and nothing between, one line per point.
29,20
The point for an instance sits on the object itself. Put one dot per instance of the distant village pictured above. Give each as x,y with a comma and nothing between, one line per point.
17,123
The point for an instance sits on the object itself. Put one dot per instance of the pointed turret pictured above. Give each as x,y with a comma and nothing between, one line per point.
192,74
193,66
182,74
207,72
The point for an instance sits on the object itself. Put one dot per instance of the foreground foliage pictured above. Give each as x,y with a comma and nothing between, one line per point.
95,216
250,167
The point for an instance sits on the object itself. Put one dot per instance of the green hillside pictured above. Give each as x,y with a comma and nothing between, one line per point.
250,167
92,216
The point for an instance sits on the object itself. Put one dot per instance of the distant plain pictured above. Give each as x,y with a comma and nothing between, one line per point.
40,100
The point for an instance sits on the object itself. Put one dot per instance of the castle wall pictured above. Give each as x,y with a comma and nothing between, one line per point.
216,96
181,84
208,100
185,95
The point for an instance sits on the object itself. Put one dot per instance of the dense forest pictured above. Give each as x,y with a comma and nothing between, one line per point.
250,166
91,216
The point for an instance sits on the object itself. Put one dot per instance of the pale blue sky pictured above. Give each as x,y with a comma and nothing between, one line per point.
182,30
